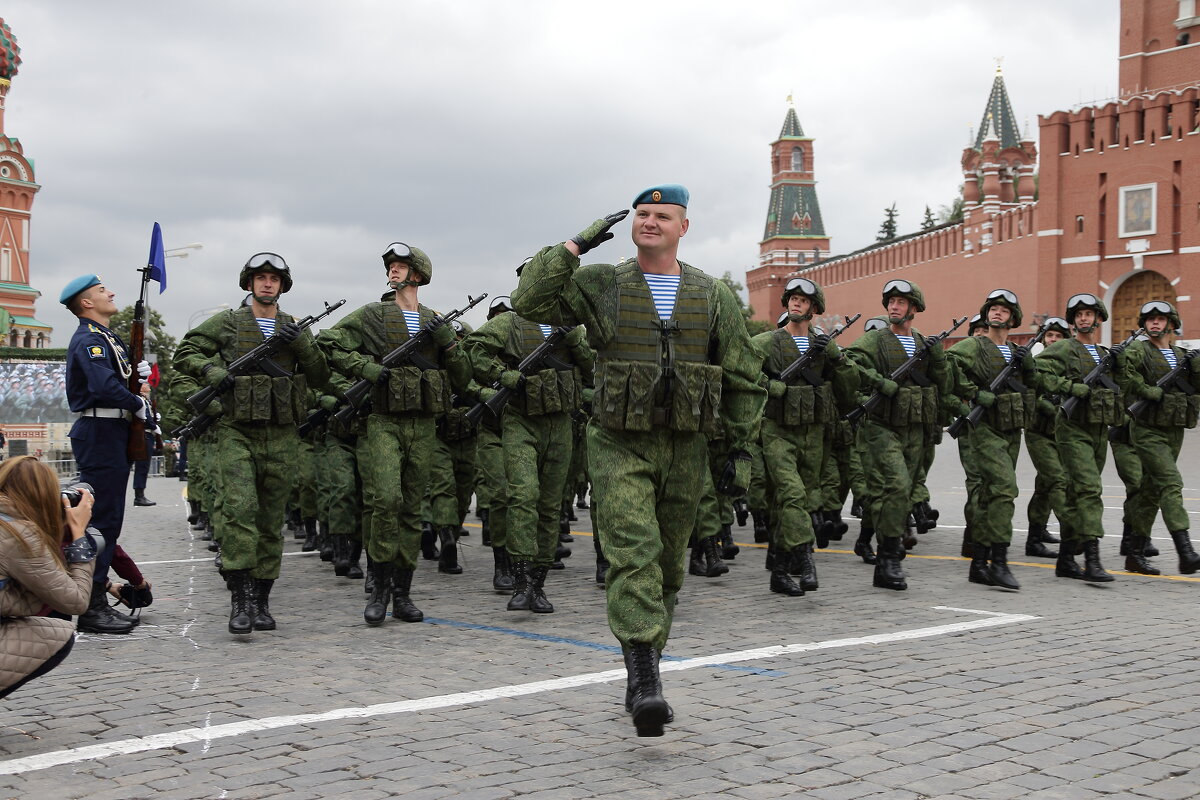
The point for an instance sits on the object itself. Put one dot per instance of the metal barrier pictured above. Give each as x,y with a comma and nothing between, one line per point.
67,468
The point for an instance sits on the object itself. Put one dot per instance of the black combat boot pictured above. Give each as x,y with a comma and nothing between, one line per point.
538,602
909,539
697,564
759,515
263,621
978,572
564,527
1039,531
561,552
769,562
888,572
140,499
1093,571
601,561
630,686
325,546
379,594
856,509
569,510
862,546
310,535
100,618
1136,561
242,611
920,521
1034,544
729,550
193,513
839,527
1151,550
1189,562
486,526
502,579
712,556
522,593
781,581
206,529
429,548
820,529
448,561
201,523
1066,566
402,605
805,567
341,554
998,569
369,577
294,524
354,571
649,707
741,511
1126,536
581,499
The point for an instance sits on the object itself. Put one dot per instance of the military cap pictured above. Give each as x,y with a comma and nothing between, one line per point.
78,285
671,193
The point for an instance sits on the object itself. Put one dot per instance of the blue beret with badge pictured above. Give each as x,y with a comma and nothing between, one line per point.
78,285
671,193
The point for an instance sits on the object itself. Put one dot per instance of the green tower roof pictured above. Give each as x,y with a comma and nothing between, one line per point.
998,114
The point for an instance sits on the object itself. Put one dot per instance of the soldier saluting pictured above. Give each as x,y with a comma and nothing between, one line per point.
672,360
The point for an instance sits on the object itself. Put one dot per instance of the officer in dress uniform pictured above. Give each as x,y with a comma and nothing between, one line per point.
98,371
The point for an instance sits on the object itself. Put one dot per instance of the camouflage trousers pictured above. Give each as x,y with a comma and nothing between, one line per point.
451,480
252,472
394,460
304,495
1083,448
1162,485
647,487
971,480
933,437
1129,469
992,455
792,457
577,475
199,468
756,495
708,511
1050,485
340,486
891,459
491,487
537,457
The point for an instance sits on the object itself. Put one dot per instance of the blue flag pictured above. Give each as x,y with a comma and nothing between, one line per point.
158,260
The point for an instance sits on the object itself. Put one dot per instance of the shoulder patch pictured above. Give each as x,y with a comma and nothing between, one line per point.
96,351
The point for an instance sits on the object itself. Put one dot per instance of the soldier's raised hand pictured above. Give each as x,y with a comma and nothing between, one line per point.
598,232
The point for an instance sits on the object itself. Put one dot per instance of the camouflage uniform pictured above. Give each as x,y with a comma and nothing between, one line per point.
536,432
647,437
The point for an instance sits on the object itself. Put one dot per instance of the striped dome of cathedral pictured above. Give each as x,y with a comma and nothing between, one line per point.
10,52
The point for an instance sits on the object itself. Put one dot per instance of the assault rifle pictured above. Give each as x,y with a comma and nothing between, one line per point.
1174,377
357,395
800,365
904,370
261,357
529,365
1006,379
1099,375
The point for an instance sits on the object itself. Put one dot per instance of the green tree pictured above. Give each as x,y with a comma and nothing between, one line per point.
157,338
887,231
929,222
753,326
954,211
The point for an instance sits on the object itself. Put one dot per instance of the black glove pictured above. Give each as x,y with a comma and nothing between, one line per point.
735,476
288,332
598,232
821,341
1116,350
441,333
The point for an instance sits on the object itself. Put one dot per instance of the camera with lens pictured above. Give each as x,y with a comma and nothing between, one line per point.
74,493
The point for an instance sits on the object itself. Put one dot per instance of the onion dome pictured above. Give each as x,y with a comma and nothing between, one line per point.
10,52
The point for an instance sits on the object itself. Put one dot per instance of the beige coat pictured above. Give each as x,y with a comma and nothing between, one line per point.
28,640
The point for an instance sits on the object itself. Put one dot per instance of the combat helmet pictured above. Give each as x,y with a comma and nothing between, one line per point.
906,289
266,262
975,323
1006,298
1078,302
1159,307
875,324
500,305
1058,324
415,257
809,289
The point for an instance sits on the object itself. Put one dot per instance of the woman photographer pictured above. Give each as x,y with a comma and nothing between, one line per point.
38,572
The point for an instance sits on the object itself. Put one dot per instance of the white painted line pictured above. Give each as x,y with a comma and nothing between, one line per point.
208,734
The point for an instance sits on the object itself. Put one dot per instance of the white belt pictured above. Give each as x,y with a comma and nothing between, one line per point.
109,413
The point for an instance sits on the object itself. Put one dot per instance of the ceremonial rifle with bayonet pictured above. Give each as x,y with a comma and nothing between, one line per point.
1005,381
356,397
1099,375
539,359
1173,378
906,370
261,358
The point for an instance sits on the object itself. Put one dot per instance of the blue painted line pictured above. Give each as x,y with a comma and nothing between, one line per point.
607,648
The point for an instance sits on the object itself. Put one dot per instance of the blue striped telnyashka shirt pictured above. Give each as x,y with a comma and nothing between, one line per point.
801,343
1169,355
663,288
1006,351
413,320
546,330
908,343
267,326
1091,348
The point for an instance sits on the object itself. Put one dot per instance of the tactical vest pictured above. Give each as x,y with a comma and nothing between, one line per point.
1102,406
1012,411
655,374
1176,410
412,388
801,403
912,404
547,391
454,426
260,397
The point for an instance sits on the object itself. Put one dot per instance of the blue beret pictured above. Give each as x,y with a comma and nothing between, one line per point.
78,285
667,193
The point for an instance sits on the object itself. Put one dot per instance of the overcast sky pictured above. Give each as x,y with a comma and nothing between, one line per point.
480,131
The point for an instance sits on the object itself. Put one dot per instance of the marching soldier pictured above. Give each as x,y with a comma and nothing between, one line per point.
1050,484
673,358
1157,433
255,445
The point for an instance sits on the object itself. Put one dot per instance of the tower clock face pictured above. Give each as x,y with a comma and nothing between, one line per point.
12,168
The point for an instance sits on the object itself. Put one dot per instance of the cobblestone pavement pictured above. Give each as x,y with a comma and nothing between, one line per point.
1063,690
